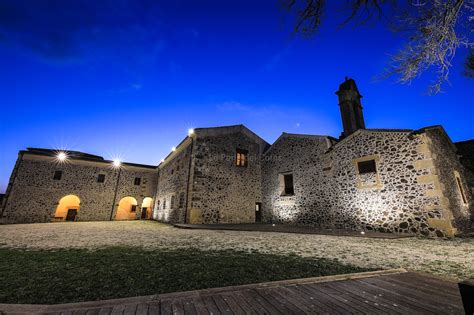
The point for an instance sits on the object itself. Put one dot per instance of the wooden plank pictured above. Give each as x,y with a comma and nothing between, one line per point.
257,307
105,310
323,305
165,307
154,308
188,306
177,307
282,304
428,279
222,305
372,301
266,307
210,304
118,309
93,311
423,284
234,306
301,302
438,301
361,305
130,309
322,298
142,309
199,305
379,293
398,295
244,305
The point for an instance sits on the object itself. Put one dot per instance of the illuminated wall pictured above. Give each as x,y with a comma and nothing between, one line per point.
33,194
412,191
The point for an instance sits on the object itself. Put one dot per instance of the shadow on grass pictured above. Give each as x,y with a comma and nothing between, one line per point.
50,277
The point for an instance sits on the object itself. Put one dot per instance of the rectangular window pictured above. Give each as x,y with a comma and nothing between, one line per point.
57,175
461,190
172,202
288,181
365,167
181,200
134,208
241,158
138,180
164,204
101,178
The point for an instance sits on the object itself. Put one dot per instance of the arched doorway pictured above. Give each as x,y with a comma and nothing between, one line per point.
127,209
146,208
68,208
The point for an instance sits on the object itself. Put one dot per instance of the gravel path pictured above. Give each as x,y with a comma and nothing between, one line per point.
448,258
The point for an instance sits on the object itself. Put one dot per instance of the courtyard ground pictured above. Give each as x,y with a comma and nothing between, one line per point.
449,258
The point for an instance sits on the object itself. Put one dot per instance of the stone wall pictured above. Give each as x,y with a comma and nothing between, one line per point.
301,156
34,195
454,190
402,196
221,191
172,190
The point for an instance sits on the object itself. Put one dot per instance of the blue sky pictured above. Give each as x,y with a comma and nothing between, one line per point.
128,78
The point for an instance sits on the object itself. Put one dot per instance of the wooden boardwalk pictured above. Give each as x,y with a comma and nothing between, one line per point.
390,292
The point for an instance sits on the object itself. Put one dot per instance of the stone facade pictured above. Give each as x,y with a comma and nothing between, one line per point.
389,180
172,188
406,194
33,194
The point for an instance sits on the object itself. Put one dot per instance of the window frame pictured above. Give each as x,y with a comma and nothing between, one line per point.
57,175
361,179
101,178
460,186
241,157
369,167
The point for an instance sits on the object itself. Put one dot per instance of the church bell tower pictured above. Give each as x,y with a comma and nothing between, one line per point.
351,107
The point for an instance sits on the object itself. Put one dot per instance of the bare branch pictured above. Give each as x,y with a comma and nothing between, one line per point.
433,43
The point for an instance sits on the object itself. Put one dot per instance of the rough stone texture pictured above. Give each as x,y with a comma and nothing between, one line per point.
173,186
212,188
303,157
223,192
447,163
34,195
466,150
404,196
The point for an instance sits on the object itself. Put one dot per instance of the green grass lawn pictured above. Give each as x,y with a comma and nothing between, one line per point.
50,277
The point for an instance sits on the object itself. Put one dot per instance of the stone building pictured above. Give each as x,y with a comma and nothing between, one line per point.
390,180
75,186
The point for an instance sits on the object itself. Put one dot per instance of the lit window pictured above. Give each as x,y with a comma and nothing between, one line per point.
138,180
101,178
57,175
241,158
366,167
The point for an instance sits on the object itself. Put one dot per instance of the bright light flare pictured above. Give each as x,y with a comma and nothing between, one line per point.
116,163
61,156
190,131
173,149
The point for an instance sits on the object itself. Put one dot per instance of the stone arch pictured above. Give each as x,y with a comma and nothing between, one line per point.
67,209
147,208
126,209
